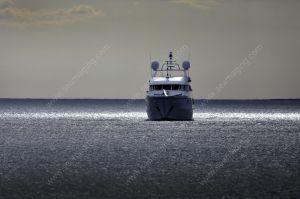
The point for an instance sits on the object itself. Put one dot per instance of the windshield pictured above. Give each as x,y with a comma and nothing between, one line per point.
170,87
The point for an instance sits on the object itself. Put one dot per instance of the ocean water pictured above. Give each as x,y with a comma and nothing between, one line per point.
108,149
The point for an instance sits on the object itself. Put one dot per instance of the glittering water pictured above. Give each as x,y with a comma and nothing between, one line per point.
108,148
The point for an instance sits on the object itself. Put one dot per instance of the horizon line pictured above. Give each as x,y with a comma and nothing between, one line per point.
231,99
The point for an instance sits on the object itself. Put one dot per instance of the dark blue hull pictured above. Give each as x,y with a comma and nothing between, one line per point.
169,108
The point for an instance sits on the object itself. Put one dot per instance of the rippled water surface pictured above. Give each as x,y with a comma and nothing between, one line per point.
108,149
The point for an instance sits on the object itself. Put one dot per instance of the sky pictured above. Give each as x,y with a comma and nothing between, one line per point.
239,49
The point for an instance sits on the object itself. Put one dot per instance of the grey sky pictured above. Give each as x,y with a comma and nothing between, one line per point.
43,44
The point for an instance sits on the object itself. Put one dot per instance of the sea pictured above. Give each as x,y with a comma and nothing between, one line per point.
109,149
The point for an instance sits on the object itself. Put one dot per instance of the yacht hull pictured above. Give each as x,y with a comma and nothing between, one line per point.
169,108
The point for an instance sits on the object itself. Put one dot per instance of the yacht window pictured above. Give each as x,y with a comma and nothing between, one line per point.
175,87
167,87
158,87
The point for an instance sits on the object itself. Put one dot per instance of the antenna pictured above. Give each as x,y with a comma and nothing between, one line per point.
171,56
189,58
150,59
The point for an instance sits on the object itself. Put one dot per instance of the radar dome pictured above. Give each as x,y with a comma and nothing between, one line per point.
186,65
155,65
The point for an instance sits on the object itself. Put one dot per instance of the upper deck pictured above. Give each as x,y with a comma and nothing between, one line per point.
168,81
170,72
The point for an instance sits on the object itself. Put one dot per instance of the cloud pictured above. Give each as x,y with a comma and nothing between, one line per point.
6,3
203,4
22,16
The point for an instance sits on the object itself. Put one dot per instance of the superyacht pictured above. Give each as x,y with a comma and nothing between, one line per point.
170,94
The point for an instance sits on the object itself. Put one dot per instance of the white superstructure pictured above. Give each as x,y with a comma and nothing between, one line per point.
169,90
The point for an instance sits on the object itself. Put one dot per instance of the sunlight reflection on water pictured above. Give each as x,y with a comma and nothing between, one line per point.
143,115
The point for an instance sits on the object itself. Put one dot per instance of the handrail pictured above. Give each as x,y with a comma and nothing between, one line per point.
170,64
171,70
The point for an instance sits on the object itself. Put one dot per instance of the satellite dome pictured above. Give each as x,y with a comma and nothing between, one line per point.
155,65
186,65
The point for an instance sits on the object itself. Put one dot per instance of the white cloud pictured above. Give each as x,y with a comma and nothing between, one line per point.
6,3
22,16
203,4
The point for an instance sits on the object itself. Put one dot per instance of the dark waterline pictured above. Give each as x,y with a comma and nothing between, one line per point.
108,149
